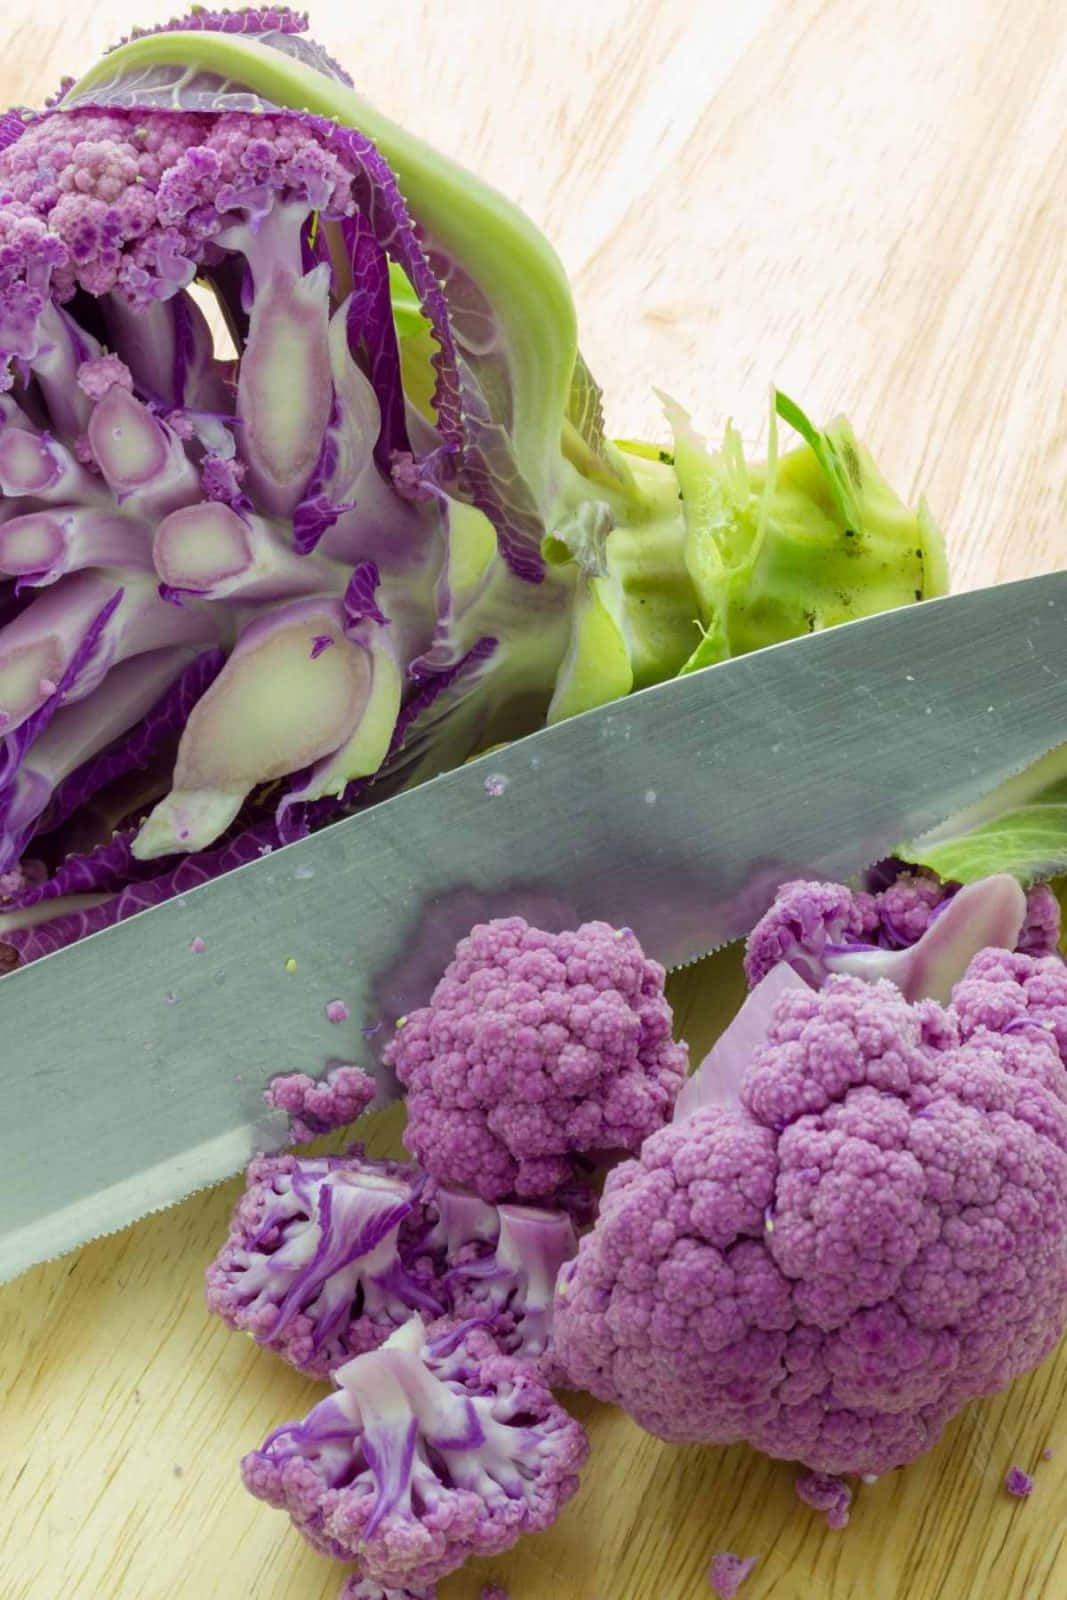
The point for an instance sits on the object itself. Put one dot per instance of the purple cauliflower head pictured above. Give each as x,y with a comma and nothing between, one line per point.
536,1048
318,1264
872,1234
433,1448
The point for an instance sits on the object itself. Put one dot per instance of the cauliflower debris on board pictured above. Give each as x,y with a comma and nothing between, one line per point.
358,1587
873,1235
728,1572
1019,1483
433,1448
823,1492
536,1047
911,928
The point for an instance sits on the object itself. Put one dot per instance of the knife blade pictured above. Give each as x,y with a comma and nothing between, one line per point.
132,1064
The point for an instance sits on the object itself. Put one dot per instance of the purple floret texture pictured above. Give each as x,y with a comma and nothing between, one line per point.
873,1235
537,1049
316,1106
431,1449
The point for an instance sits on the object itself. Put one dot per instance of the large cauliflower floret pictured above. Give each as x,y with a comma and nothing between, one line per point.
536,1047
872,1236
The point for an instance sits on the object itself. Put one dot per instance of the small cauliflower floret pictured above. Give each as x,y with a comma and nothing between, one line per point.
316,1106
535,1048
433,1448
316,1265
834,1251
915,930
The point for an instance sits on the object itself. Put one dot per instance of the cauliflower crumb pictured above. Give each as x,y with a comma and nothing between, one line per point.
728,1572
1018,1483
823,1492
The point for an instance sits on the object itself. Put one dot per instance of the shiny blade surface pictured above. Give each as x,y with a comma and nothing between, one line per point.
677,812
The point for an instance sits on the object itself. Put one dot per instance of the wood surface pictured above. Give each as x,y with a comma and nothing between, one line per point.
867,204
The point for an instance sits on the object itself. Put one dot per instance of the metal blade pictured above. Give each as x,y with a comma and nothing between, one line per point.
677,811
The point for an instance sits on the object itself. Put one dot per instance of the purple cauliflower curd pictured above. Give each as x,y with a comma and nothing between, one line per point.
536,1048
317,1265
866,1234
433,1448
316,1106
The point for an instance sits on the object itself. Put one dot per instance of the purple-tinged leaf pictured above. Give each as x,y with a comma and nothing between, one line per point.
371,324
380,203
360,602
132,885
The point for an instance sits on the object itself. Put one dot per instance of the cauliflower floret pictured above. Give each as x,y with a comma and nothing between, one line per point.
535,1048
872,1234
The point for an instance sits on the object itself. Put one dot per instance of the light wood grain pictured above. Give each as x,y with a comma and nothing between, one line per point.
865,203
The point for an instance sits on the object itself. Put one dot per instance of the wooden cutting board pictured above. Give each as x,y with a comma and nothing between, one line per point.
866,204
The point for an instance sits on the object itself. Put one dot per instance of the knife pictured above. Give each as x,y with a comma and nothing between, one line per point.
132,1063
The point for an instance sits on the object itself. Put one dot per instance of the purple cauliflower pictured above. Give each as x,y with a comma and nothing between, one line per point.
916,930
316,1264
867,1234
536,1048
433,1448
316,1106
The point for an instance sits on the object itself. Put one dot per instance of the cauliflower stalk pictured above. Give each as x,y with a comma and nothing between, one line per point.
245,591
